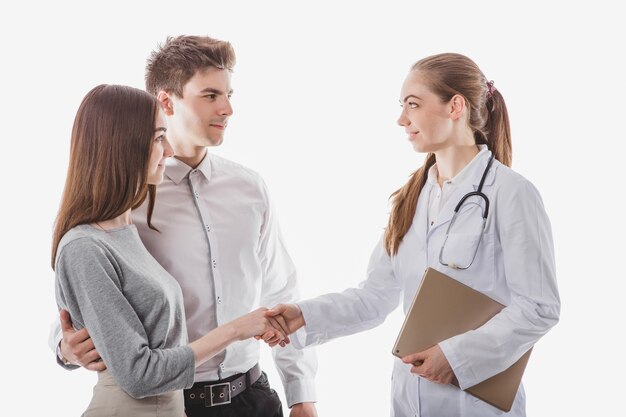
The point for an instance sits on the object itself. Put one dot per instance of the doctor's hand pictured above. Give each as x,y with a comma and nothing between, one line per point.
431,364
77,347
274,336
255,324
285,317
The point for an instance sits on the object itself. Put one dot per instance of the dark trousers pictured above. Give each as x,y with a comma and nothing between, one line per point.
258,400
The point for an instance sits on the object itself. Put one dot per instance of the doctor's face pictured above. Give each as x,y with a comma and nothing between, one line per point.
425,118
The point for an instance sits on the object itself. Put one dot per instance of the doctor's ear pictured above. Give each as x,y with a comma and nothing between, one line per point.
457,106
164,99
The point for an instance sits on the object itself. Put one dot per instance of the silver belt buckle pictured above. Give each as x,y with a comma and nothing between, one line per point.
221,391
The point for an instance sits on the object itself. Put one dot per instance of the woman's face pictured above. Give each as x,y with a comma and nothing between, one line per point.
427,120
159,152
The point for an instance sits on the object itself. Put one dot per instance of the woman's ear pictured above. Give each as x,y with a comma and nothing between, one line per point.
457,107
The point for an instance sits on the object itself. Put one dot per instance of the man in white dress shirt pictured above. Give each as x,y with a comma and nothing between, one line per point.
217,236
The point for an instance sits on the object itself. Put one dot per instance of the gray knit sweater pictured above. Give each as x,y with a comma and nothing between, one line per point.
131,306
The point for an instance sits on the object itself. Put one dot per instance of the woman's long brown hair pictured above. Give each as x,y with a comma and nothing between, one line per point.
108,166
450,74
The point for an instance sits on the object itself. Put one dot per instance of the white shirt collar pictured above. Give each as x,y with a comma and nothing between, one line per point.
177,170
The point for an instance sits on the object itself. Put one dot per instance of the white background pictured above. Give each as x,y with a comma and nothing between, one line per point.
316,99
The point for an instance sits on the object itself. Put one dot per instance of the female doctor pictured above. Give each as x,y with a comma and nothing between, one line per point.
499,242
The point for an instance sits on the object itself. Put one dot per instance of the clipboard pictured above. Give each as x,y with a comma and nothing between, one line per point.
444,307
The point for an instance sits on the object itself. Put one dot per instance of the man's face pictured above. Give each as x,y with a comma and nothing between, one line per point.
200,117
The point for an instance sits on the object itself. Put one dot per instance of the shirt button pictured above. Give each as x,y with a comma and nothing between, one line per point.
214,264
208,228
219,300
222,366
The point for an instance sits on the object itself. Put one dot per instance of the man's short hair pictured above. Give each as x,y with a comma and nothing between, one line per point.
174,63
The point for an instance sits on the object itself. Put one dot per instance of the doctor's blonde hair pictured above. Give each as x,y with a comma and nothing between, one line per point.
450,74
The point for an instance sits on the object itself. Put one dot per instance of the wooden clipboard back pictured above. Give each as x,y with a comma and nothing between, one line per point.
444,307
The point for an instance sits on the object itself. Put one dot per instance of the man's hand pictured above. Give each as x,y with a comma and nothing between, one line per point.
77,346
303,410
431,364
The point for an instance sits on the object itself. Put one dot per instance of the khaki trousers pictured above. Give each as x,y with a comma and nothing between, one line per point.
109,400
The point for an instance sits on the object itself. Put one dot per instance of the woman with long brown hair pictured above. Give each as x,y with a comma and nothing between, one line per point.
106,278
501,245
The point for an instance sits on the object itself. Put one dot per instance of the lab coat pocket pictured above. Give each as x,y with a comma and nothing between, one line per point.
459,249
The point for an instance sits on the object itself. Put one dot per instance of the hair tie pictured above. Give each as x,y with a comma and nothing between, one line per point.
490,89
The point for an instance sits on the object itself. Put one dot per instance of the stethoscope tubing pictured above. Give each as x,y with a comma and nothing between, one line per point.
477,193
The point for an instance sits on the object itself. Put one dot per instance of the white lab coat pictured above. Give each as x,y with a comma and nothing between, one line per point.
514,265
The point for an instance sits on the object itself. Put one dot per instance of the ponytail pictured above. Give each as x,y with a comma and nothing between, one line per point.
498,130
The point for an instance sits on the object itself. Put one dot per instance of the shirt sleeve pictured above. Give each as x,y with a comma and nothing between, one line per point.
89,286
54,339
297,368
527,252
354,310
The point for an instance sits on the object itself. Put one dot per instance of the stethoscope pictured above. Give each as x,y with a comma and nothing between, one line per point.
477,193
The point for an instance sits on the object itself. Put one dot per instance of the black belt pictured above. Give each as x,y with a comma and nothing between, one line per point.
221,392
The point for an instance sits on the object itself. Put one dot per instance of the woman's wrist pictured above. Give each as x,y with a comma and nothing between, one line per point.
232,332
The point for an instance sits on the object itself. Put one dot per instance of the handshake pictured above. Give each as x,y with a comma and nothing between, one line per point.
273,326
